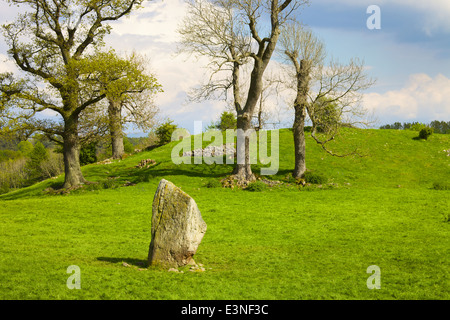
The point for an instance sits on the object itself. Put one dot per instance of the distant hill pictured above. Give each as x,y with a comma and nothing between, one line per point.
391,158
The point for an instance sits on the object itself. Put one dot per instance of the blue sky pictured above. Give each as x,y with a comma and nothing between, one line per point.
409,56
406,44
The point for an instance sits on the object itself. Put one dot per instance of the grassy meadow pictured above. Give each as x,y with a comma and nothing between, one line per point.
287,242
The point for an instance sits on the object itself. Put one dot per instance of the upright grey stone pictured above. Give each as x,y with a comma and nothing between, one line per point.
177,227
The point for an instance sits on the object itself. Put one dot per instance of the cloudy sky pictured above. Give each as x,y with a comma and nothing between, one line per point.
409,56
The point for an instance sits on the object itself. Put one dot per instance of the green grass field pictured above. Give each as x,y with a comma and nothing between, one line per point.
286,242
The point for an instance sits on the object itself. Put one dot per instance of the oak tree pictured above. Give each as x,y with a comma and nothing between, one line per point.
130,90
49,43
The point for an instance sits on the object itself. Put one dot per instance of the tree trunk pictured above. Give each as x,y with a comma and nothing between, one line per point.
299,142
244,171
260,124
244,117
115,127
73,176
261,60
241,171
300,104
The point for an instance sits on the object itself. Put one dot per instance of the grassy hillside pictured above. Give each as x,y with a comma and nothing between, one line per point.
287,242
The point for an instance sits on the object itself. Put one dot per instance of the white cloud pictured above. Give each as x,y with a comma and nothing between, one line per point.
8,13
422,99
152,31
158,18
6,64
435,13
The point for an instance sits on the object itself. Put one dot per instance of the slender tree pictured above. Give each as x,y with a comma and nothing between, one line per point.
49,44
130,91
329,95
303,51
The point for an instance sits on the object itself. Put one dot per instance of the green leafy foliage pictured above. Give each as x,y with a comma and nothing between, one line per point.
25,147
164,132
417,126
13,174
118,74
9,155
4,188
326,115
425,133
128,147
88,153
438,126
63,60
227,121
38,155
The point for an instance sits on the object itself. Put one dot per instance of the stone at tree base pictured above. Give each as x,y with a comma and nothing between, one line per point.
177,227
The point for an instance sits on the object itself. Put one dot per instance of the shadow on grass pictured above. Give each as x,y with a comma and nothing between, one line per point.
115,176
150,148
131,261
31,191
284,172
124,177
163,169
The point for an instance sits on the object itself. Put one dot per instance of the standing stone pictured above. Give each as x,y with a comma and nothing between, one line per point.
177,227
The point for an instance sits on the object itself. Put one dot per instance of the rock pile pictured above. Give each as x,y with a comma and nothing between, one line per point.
211,151
195,268
106,161
231,182
146,163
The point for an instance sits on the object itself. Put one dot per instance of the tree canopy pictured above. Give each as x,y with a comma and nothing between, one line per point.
51,44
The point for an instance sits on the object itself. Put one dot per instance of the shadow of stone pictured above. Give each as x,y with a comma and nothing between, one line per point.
131,261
